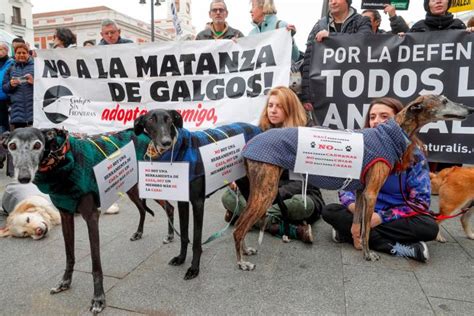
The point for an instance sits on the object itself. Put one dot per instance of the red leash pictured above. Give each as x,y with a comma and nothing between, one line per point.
436,216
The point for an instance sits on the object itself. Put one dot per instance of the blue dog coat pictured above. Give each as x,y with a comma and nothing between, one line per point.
386,142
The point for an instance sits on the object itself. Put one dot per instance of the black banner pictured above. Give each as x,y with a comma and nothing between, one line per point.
348,71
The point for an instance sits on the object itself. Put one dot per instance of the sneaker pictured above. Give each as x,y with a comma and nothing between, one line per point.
305,233
417,251
335,236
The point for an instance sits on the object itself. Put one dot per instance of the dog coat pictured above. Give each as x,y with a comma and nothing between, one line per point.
386,142
187,144
16,192
74,176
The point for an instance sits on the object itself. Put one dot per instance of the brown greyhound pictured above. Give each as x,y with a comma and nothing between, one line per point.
264,167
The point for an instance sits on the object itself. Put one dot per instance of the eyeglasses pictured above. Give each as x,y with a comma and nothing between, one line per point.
218,10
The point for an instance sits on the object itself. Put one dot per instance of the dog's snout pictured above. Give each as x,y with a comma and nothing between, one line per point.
24,179
166,143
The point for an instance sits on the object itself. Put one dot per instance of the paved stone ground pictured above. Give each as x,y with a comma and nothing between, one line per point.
325,278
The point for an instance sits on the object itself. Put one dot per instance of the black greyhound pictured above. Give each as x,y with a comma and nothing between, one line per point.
164,127
31,149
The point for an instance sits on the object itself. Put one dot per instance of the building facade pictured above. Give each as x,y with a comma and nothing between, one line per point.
86,24
16,18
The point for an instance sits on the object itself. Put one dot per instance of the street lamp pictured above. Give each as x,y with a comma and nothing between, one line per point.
157,3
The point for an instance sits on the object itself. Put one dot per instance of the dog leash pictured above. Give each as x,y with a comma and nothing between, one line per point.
219,233
436,216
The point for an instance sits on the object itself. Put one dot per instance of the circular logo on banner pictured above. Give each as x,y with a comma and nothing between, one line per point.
56,103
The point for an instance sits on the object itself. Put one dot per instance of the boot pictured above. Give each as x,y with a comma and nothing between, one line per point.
304,233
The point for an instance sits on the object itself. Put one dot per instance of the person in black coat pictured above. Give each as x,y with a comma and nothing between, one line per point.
438,18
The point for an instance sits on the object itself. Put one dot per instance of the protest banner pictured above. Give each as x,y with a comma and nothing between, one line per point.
348,71
104,88
461,5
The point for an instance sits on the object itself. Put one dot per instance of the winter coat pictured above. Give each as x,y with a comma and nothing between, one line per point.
21,96
3,69
355,23
121,40
438,23
229,33
270,23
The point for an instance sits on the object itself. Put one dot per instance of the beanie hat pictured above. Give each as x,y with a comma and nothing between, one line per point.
427,5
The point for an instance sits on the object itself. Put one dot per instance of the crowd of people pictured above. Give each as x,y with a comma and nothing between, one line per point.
397,228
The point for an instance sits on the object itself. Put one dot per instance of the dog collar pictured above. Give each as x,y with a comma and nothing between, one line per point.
55,157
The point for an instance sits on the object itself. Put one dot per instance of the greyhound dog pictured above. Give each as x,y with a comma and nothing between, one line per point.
165,128
55,153
265,166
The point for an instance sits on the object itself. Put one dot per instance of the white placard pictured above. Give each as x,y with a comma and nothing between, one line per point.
116,174
164,180
328,152
223,162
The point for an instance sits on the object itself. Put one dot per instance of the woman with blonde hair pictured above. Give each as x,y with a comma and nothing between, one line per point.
283,109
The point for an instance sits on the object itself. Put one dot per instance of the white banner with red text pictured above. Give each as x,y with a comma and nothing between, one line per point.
211,83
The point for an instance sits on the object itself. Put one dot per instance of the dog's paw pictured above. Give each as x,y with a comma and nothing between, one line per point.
191,273
136,236
470,236
176,261
168,239
97,304
250,251
246,266
63,286
371,256
440,238
285,239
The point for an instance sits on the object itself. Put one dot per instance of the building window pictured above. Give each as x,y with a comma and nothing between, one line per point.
16,18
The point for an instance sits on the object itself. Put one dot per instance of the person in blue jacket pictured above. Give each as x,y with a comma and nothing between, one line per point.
5,64
18,84
399,225
264,19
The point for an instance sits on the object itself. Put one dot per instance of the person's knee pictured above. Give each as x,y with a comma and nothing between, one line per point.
429,229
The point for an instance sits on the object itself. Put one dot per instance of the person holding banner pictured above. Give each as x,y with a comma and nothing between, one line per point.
397,23
264,19
218,28
110,33
397,225
283,109
341,18
438,18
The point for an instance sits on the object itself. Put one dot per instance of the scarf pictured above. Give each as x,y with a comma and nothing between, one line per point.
440,22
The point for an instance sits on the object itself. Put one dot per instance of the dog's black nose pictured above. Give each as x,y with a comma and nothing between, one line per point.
24,180
166,143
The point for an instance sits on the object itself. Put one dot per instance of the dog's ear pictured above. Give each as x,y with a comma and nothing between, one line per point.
139,124
416,106
177,118
4,139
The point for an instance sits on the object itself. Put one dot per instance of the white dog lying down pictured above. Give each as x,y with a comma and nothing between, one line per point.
31,213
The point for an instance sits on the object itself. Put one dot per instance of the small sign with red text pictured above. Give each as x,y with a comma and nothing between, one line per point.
116,174
164,180
223,162
327,152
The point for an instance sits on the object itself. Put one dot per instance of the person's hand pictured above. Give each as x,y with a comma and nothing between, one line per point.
470,29
291,28
29,78
401,34
233,186
14,82
351,207
375,220
321,35
390,9
355,231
